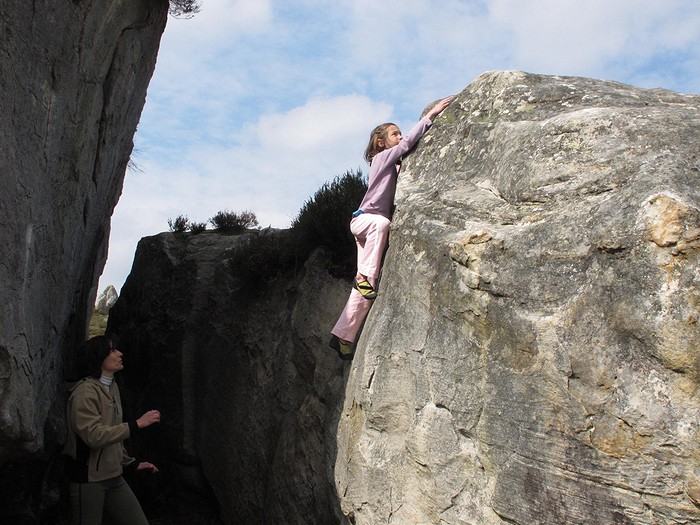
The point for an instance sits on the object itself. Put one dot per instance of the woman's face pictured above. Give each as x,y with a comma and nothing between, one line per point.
112,363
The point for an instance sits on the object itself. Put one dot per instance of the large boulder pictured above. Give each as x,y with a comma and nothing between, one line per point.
73,81
73,78
533,356
106,300
239,367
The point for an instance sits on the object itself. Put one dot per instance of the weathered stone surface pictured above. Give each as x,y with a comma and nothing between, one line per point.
106,300
248,390
533,356
73,78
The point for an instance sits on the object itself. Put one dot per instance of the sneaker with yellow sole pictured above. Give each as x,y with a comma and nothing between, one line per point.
345,350
366,289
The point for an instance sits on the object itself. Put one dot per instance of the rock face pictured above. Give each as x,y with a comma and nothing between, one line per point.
73,81
248,390
106,300
533,356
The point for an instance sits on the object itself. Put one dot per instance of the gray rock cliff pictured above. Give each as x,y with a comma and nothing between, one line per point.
532,357
247,389
106,300
73,78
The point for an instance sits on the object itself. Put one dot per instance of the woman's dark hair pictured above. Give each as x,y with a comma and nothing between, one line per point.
92,353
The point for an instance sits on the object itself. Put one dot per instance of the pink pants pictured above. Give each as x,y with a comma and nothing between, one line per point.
371,232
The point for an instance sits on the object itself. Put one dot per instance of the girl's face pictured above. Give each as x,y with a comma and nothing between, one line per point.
112,363
392,137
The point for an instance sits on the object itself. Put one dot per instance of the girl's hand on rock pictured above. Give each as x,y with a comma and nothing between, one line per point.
439,108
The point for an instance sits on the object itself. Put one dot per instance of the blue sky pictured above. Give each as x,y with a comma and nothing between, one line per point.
254,104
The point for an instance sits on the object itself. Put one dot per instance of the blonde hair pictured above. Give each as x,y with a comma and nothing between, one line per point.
378,133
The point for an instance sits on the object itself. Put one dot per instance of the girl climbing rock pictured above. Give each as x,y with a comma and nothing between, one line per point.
370,223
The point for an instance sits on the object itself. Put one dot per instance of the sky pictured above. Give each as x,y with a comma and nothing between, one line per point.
255,104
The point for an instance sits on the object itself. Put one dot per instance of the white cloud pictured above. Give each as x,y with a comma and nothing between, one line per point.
219,24
282,159
271,168
596,38
320,125
254,103
202,64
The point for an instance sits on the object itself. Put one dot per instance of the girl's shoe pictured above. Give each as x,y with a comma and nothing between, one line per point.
366,289
344,350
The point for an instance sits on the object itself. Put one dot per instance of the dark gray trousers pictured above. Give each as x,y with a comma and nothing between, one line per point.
113,498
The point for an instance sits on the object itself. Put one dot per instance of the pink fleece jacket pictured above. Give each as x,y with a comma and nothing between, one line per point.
379,198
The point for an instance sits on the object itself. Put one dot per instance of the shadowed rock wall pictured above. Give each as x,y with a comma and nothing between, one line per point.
247,388
532,357
73,78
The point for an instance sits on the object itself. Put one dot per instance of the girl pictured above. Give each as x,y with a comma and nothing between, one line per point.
94,444
370,223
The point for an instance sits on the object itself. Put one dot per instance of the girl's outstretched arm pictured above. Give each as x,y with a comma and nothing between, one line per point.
389,156
438,108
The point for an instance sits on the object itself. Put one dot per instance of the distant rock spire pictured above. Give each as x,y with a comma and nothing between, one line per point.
106,300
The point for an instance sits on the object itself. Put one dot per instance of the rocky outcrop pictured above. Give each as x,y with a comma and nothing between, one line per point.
533,356
239,368
73,78
106,300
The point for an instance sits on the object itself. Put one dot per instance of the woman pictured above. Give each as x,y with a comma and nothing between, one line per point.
94,445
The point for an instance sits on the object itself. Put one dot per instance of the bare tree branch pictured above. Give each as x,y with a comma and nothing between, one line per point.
184,8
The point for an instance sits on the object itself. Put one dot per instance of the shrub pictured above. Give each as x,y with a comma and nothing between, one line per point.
324,220
180,224
197,227
267,255
184,8
234,222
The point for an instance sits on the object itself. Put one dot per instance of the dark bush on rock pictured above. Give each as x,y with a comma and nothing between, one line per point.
232,222
324,219
268,254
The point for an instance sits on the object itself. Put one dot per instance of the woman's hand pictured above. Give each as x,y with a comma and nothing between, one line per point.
145,465
146,420
438,108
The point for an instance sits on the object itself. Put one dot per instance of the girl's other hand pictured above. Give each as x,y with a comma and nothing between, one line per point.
439,108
